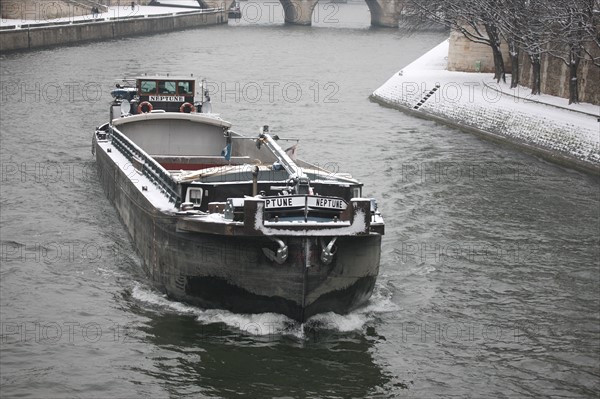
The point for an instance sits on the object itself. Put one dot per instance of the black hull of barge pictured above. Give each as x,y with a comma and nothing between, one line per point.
233,272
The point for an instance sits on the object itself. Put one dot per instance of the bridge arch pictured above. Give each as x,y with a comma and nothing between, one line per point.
298,12
384,13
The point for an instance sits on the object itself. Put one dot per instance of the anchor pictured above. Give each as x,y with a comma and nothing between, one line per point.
328,251
282,251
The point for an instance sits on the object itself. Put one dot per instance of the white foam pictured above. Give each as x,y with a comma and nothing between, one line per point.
153,298
273,324
343,323
261,324
380,302
252,324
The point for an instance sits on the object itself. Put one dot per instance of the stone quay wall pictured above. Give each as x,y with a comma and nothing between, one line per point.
45,10
36,36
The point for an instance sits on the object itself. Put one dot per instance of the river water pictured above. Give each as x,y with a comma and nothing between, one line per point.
489,272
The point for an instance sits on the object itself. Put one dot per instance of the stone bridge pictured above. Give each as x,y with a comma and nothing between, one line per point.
383,12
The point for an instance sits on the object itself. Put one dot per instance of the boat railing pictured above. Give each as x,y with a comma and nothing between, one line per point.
149,167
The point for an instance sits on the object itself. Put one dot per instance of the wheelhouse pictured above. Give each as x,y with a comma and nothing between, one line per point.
171,94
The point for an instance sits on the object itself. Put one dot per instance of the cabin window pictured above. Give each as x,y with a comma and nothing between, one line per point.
194,195
185,88
148,86
167,87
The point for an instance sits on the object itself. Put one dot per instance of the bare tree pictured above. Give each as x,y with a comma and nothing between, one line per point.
573,33
469,17
592,30
533,35
509,18
568,30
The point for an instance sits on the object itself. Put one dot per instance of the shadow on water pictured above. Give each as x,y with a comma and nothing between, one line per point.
194,359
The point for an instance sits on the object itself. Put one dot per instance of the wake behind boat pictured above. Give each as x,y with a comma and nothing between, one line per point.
223,220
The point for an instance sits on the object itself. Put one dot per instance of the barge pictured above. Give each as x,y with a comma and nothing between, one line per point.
230,221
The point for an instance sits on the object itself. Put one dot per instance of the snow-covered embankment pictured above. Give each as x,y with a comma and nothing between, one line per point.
544,125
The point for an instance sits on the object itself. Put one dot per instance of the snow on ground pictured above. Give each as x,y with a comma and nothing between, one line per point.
476,100
112,13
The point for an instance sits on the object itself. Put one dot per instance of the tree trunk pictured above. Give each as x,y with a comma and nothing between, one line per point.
573,81
536,82
514,64
499,72
494,36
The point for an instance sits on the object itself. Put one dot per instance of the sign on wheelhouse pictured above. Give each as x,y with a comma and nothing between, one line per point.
170,99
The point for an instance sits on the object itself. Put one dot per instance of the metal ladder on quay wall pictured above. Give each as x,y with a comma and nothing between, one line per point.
426,97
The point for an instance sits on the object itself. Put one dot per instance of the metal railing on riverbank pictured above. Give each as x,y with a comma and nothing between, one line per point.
91,20
27,36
